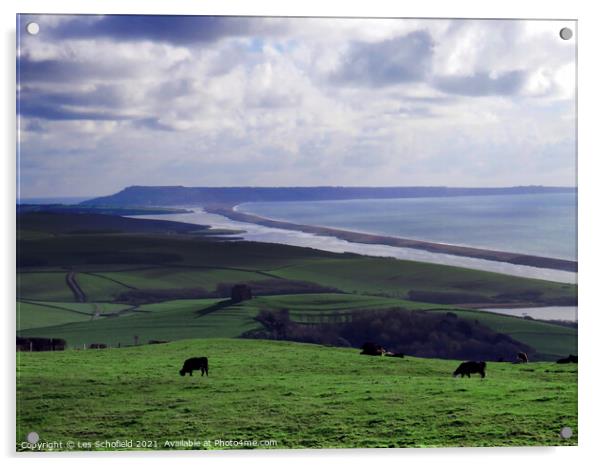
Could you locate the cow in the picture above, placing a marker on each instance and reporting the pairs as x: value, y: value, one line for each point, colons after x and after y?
x: 471, y: 367
x: 195, y: 364
x: 372, y: 349
x: 570, y: 359
x: 97, y: 346
x: 522, y: 358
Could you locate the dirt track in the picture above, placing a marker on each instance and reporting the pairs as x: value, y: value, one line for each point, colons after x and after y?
x: 80, y: 296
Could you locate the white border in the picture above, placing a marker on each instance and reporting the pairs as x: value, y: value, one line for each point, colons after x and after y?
x: 590, y: 130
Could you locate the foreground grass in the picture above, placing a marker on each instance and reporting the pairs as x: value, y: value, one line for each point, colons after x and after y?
x: 301, y: 396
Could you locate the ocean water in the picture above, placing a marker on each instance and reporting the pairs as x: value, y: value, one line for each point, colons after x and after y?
x: 536, y: 224
x: 253, y: 232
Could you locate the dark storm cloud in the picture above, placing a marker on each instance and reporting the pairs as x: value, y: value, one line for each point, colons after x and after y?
x: 178, y: 30
x: 29, y: 70
x: 97, y: 104
x: 482, y: 84
x: 49, y: 112
x: 398, y: 60
x: 104, y: 95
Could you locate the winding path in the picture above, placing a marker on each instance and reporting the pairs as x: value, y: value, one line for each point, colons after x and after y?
x: 80, y: 296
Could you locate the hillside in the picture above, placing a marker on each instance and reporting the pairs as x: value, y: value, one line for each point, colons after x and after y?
x: 301, y: 396
x: 180, y: 195
x: 180, y: 319
x: 105, y: 279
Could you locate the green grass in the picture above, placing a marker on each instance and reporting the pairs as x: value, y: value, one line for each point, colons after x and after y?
x: 181, y: 277
x: 87, y: 308
x: 39, y: 314
x: 31, y: 315
x: 301, y: 396
x: 550, y: 340
x: 348, y: 272
x: 395, y: 278
x: 97, y: 288
x: 47, y: 286
x: 180, y: 319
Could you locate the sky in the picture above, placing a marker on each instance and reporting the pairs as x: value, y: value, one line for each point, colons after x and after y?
x: 106, y: 102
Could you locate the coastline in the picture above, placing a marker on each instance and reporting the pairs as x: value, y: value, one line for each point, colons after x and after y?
x: 228, y: 210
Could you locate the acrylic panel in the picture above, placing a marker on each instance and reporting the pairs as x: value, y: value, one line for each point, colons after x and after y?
x: 283, y: 233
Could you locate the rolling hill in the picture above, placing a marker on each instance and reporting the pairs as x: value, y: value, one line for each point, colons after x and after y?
x: 287, y: 395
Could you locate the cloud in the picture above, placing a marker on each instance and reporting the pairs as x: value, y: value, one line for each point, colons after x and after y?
x: 295, y: 101
x: 161, y: 28
x: 64, y: 70
x: 98, y: 103
x: 392, y: 61
x: 483, y: 84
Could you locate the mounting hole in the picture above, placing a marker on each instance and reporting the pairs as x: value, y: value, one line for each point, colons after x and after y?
x: 32, y: 28
x: 566, y: 33
x: 566, y: 432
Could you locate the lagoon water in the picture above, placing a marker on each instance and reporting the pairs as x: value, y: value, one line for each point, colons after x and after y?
x: 568, y: 313
x: 536, y: 224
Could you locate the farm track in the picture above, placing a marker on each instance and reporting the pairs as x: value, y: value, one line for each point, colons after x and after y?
x: 78, y: 293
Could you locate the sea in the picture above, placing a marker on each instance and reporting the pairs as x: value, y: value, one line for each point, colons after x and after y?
x: 536, y: 224
x: 528, y: 223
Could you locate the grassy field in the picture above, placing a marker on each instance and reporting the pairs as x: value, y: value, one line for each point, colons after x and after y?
x: 294, y: 395
x: 170, y: 257
x: 49, y: 286
x: 395, y: 277
x: 34, y: 315
x: 550, y: 340
x: 39, y: 314
x: 298, y: 395
x: 180, y: 319
x: 181, y: 277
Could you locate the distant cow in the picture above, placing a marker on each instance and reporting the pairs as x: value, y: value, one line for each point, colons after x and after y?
x: 471, y: 367
x: 372, y: 349
x: 97, y: 346
x: 195, y: 364
x: 570, y: 359
x: 522, y: 357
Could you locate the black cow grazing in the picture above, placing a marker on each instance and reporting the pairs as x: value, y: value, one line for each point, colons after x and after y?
x: 522, y: 357
x: 97, y: 346
x: 195, y: 364
x: 471, y: 367
x: 570, y: 359
x: 372, y: 349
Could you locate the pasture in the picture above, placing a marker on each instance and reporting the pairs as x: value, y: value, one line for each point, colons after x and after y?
x: 298, y: 395
x: 206, y: 318
x: 100, y: 279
